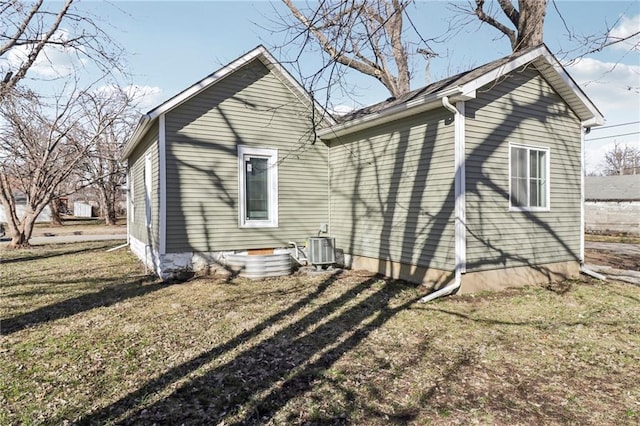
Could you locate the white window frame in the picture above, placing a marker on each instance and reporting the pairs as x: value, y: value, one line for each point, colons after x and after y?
x: 547, y: 152
x: 245, y: 152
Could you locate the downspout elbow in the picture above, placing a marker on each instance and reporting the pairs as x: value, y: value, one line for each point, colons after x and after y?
x: 448, y: 105
x: 587, y: 271
x: 445, y: 291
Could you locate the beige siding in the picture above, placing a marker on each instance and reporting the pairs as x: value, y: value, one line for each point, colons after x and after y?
x: 392, y: 191
x: 523, y: 109
x: 250, y: 107
x: 137, y: 223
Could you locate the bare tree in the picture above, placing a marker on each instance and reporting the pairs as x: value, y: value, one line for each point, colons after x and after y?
x: 28, y: 28
x: 111, y: 115
x: 621, y: 160
x: 364, y: 35
x: 41, y: 145
x: 524, y: 25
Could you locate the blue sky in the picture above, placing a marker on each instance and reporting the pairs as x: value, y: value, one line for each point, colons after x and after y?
x: 172, y: 44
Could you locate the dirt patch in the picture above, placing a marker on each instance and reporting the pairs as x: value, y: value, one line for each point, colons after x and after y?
x: 614, y: 255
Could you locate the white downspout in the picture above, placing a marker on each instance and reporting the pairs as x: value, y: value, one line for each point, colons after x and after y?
x: 583, y: 133
x: 583, y: 268
x: 460, y: 202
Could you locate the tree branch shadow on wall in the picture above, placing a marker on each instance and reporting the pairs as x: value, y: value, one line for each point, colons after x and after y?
x: 255, y: 384
x: 493, y: 254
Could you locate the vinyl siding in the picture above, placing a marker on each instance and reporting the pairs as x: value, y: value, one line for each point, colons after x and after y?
x: 520, y: 109
x: 392, y: 191
x: 250, y: 107
x: 137, y: 224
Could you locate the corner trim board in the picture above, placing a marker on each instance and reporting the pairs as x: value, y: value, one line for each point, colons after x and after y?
x: 460, y: 189
x: 582, y: 224
x: 162, y: 193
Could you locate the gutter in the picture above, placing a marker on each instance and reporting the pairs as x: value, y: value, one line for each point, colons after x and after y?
x: 397, y: 112
x: 460, y: 214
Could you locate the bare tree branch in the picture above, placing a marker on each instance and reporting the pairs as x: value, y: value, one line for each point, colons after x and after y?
x: 360, y: 35
x: 30, y: 30
x: 480, y: 13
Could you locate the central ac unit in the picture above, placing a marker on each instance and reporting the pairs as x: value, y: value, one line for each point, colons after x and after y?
x: 322, y: 250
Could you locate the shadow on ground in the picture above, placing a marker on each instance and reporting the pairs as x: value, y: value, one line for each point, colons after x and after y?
x: 255, y: 384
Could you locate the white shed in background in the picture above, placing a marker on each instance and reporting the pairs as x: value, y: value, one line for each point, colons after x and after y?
x: 81, y: 209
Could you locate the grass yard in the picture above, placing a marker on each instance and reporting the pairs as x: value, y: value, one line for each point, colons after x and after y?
x: 86, y: 338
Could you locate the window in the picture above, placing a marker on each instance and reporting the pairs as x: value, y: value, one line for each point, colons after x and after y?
x: 258, y: 187
x: 529, y: 178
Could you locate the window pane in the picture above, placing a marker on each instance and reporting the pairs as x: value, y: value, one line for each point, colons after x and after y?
x: 542, y: 184
x: 518, y: 162
x: 533, y: 163
x: 257, y: 188
x: 534, y: 193
x: 519, y: 177
x: 518, y: 192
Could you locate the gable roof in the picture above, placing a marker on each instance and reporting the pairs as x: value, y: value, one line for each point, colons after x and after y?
x: 612, y: 188
x: 259, y: 53
x: 463, y: 86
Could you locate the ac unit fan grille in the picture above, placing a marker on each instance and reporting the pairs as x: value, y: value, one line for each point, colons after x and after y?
x: 322, y: 250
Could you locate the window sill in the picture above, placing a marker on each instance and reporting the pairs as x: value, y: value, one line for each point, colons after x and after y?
x: 258, y: 224
x: 529, y: 209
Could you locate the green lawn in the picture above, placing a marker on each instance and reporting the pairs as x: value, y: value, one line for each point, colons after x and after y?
x: 87, y: 338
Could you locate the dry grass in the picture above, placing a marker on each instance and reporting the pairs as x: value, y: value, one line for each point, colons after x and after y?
x: 86, y: 340
x: 628, y: 239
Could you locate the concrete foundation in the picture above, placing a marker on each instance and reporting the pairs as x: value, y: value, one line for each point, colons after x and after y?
x: 496, y: 279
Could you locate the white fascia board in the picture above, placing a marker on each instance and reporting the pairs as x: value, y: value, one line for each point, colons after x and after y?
x: 145, y: 121
x: 282, y: 71
x: 143, y: 126
x: 597, y: 118
x: 394, y: 113
x: 498, y: 72
x: 205, y: 83
x: 593, y: 122
x: 259, y: 52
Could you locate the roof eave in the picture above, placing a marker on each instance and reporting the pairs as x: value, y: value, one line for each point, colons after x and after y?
x: 590, y: 116
x: 143, y: 126
x: 425, y: 103
x: 260, y: 53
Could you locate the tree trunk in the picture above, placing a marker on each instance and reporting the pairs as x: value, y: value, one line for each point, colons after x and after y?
x: 56, y: 219
x: 20, y: 237
x: 530, y: 23
x: 108, y: 207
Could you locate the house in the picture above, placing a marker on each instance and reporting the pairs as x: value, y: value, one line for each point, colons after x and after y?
x: 471, y: 182
x: 612, y: 204
x: 21, y: 207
